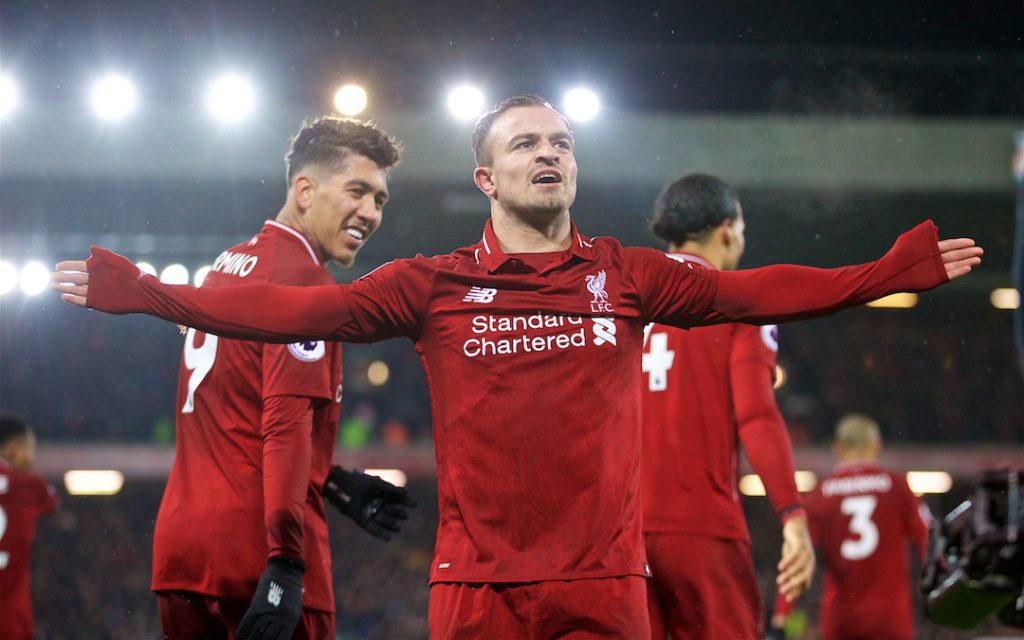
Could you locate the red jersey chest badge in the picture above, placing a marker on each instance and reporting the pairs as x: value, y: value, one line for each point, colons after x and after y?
x: 596, y: 286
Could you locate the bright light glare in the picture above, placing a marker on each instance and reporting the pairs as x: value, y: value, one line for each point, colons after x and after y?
x: 350, y: 100
x: 93, y: 482
x: 751, y: 485
x: 929, y: 481
x: 8, y: 277
x: 378, y: 373
x: 145, y: 267
x: 780, y: 376
x: 200, y: 275
x: 230, y: 98
x: 805, y: 481
x: 895, y: 301
x: 174, y: 274
x: 396, y: 477
x: 581, y: 105
x: 1007, y: 298
x: 466, y: 102
x: 113, y: 97
x: 8, y: 95
x: 34, y: 278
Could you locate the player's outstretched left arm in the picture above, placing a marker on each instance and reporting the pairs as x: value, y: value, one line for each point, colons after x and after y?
x: 796, y: 568
x: 374, y: 504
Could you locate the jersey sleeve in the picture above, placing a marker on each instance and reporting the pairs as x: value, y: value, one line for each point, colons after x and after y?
x: 386, y: 303
x: 682, y: 294
x: 916, y: 518
x: 761, y: 427
x: 788, y: 292
x: 286, y: 436
x: 298, y: 369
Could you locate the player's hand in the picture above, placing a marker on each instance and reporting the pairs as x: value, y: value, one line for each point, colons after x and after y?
x: 959, y: 256
x: 71, y: 279
x: 276, y: 606
x: 374, y: 504
x: 796, y: 568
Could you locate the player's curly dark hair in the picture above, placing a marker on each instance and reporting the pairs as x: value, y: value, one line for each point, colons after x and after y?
x: 12, y: 427
x: 328, y: 140
x: 690, y: 207
x: 481, y: 154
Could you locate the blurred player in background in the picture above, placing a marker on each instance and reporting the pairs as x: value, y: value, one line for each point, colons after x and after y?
x: 256, y: 423
x: 863, y: 518
x: 530, y: 339
x: 707, y: 390
x: 24, y: 498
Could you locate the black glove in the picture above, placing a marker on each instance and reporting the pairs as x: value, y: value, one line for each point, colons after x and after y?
x: 375, y: 505
x: 276, y: 607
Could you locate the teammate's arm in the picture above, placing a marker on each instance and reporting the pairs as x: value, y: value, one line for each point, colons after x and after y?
x: 286, y: 435
x: 374, y: 504
x: 767, y: 447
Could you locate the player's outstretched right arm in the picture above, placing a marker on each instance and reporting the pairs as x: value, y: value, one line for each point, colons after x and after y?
x: 268, y: 312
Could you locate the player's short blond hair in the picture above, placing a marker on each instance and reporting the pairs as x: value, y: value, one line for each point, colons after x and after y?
x: 857, y: 432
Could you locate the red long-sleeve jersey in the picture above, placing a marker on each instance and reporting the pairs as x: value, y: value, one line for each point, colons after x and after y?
x: 864, y: 518
x: 24, y: 498
x: 256, y: 425
x: 707, y: 390
x: 533, y: 373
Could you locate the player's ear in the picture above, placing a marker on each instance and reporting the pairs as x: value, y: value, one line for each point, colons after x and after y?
x: 725, y: 233
x: 304, y: 189
x: 483, y: 177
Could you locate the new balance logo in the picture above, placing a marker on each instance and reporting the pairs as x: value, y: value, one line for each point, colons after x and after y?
x: 480, y: 294
x: 275, y: 593
x: 604, y: 331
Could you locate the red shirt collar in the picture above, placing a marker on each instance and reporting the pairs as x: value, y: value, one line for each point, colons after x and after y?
x: 488, y: 251
x: 689, y: 257
x: 271, y: 225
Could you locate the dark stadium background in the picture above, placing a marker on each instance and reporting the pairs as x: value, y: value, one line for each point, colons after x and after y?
x: 840, y: 123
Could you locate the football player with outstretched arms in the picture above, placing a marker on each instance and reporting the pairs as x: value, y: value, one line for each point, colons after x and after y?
x: 530, y: 339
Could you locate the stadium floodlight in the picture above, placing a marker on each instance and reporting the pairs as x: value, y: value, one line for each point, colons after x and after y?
x: 581, y: 105
x: 35, y: 278
x: 929, y: 481
x: 1005, y: 298
x: 200, y: 275
x: 113, y: 97
x: 895, y: 301
x: 174, y: 274
x: 8, y: 277
x: 230, y: 98
x: 350, y: 100
x: 378, y: 373
x: 466, y: 102
x: 8, y: 95
x: 396, y: 477
x: 145, y: 267
x: 93, y: 482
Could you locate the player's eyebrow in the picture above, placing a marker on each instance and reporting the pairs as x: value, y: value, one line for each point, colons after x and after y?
x: 381, y: 195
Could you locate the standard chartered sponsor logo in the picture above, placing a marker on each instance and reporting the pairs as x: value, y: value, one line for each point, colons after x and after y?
x: 508, y: 335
